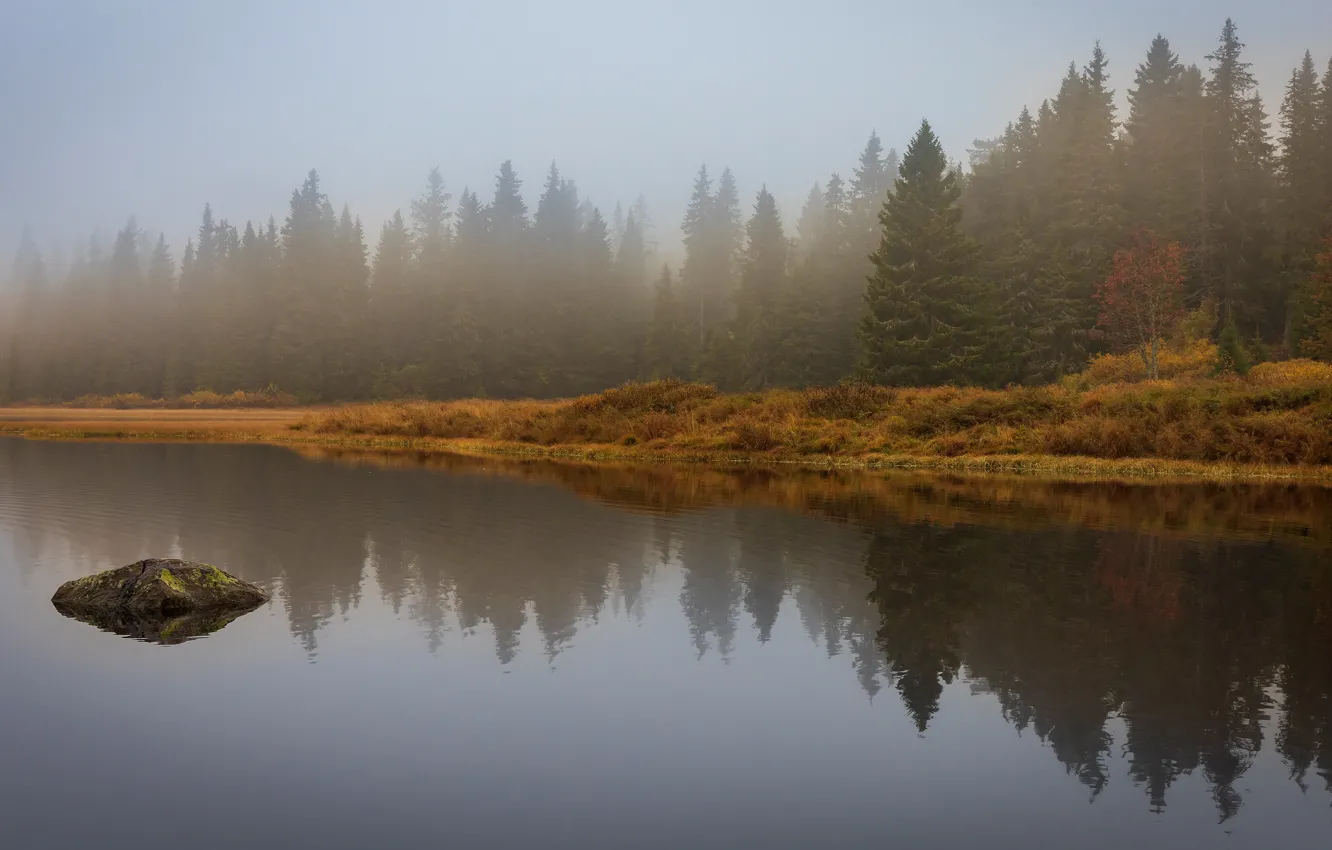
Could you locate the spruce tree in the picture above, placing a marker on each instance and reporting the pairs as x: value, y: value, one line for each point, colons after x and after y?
x: 758, y: 325
x: 508, y: 212
x: 1301, y: 188
x: 127, y: 339
x: 1163, y: 155
x: 160, y: 285
x: 1234, y: 241
x: 431, y: 228
x: 728, y: 232
x: 631, y: 256
x: 665, y: 352
x: 922, y: 325
x: 871, y: 181
x: 698, y: 273
x: 810, y: 224
x: 1325, y: 133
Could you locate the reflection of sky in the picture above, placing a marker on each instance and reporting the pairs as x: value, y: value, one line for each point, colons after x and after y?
x: 153, y: 107
x: 626, y: 738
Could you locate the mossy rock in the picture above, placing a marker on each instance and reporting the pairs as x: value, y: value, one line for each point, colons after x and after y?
x: 159, y: 600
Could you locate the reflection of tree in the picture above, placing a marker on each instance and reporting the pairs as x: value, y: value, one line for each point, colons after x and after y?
x: 761, y: 568
x: 1183, y: 642
x: 1185, y: 639
x: 922, y: 591
x: 711, y: 592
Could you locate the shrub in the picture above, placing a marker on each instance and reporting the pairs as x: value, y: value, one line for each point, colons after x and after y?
x: 1292, y: 372
x: 1197, y: 359
x: 752, y: 435
x: 1232, y: 356
x: 657, y: 425
x: 666, y: 395
x: 847, y: 400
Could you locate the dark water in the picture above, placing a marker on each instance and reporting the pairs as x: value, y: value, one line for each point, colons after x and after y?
x: 487, y: 654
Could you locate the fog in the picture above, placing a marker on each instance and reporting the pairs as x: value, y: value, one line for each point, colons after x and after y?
x: 333, y: 202
x: 152, y: 108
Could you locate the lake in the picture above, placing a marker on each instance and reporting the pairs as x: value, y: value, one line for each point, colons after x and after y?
x: 492, y: 653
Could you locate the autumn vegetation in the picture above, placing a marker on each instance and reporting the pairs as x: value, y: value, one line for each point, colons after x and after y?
x: 1279, y: 414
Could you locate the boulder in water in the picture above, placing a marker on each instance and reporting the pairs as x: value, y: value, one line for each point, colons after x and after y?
x: 163, y: 600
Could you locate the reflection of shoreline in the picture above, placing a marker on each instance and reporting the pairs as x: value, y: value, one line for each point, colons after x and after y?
x: 1081, y: 608
x: 1298, y: 513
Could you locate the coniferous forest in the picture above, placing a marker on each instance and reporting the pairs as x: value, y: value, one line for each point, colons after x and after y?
x: 908, y: 270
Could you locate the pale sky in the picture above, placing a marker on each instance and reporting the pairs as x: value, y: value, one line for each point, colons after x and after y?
x: 152, y: 107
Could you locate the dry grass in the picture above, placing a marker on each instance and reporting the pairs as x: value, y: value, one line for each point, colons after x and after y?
x: 64, y: 422
x: 1279, y: 416
x: 1275, y: 422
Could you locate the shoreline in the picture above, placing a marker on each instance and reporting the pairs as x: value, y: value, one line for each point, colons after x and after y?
x: 273, y: 426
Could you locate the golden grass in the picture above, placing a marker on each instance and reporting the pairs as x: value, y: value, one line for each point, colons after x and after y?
x: 1277, y: 422
x: 1278, y: 417
x: 222, y: 424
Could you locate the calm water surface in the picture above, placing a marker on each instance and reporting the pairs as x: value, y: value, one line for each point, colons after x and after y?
x: 480, y: 654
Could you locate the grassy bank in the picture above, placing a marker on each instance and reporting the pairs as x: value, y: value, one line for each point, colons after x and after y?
x: 1275, y: 422
x: 1278, y: 416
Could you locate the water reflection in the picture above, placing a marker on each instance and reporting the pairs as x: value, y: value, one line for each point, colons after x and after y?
x: 1187, y: 626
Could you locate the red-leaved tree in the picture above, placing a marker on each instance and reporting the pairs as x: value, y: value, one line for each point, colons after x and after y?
x: 1142, y: 300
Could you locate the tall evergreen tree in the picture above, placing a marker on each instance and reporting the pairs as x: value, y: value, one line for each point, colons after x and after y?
x: 922, y: 326
x: 1303, y: 196
x: 762, y: 298
x: 1163, y: 154
x: 698, y: 273
x: 665, y: 353
x: 1234, y: 239
x: 810, y: 224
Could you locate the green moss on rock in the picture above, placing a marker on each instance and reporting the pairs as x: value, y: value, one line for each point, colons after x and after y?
x: 148, y: 598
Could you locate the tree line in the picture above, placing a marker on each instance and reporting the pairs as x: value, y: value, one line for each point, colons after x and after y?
x: 912, y: 270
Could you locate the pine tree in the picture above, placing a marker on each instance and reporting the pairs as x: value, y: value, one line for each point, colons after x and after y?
x: 810, y: 225
x: 508, y: 212
x: 125, y: 335
x: 1234, y: 240
x: 871, y: 181
x: 553, y: 303
x: 762, y: 297
x: 308, y: 241
x: 431, y: 228
x: 1163, y: 152
x: 631, y: 256
x: 698, y: 274
x: 617, y: 227
x: 604, y: 355
x: 922, y: 325
x: 162, y: 306
x: 1302, y: 196
x: 665, y: 353
x: 1325, y: 133
x: 728, y: 231
x: 645, y: 225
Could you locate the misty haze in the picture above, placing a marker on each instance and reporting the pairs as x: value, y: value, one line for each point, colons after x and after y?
x: 708, y: 425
